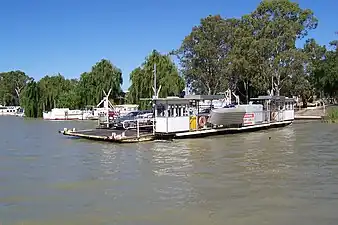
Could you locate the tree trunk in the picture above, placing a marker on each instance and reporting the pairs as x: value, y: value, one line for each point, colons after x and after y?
x: 247, y: 92
x: 277, y: 91
x: 304, y: 100
x: 246, y: 87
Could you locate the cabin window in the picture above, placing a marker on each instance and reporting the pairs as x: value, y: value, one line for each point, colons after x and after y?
x: 178, y: 110
x: 185, y: 111
x: 170, y: 111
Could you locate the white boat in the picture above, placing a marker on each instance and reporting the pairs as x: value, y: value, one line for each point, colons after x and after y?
x: 9, y: 110
x: 20, y: 113
x: 123, y: 110
x: 65, y: 114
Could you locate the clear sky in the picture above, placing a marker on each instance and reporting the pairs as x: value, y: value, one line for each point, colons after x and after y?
x: 69, y: 36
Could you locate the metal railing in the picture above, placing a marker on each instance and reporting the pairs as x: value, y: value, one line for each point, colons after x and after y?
x: 138, y: 125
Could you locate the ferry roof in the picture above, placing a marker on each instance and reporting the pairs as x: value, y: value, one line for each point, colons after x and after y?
x: 187, y: 97
x: 268, y: 97
x: 203, y: 97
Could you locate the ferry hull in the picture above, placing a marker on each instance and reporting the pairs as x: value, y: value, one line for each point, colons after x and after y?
x: 130, y: 136
x: 224, y: 131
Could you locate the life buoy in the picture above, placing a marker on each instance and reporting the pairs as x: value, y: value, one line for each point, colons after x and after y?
x: 202, y: 121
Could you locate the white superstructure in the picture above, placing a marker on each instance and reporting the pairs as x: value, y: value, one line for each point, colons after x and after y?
x: 65, y: 114
x: 9, y: 110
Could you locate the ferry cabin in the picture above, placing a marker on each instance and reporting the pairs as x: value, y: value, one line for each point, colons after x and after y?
x: 179, y: 115
x: 276, y: 108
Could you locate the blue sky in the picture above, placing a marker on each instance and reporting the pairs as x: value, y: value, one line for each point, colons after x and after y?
x: 68, y: 36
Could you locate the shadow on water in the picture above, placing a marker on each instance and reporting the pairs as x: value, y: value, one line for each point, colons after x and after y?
x: 279, y: 176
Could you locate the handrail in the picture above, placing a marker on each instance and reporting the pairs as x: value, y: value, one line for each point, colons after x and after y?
x: 138, y: 123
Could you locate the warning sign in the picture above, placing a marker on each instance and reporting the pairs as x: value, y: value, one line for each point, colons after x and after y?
x: 249, y: 119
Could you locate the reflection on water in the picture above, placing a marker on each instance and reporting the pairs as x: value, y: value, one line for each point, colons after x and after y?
x: 279, y: 176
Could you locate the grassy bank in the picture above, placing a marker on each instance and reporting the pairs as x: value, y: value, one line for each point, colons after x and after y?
x: 332, y: 115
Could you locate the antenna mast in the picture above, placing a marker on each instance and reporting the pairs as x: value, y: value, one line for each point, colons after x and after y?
x: 155, y: 88
x: 156, y: 92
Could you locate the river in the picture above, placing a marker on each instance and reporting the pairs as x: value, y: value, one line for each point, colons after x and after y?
x: 249, y: 178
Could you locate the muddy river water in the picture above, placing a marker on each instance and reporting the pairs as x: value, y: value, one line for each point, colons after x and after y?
x: 248, y: 178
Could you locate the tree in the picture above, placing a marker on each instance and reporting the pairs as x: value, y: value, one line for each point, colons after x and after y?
x: 279, y: 24
x: 52, y: 89
x: 204, y: 54
x: 325, y: 75
x: 31, y: 100
x: 11, y: 85
x: 103, y: 76
x: 142, y: 79
x: 248, y: 63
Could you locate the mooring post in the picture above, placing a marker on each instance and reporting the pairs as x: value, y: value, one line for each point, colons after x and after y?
x: 138, y: 128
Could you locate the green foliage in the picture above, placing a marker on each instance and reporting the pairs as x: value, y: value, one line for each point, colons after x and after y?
x: 56, y: 91
x: 103, y: 76
x: 11, y: 85
x: 332, y: 114
x: 31, y: 100
x: 204, y: 54
x: 142, y: 79
x: 256, y: 53
x: 325, y: 74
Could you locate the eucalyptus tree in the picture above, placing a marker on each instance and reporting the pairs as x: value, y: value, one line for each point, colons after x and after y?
x: 278, y: 24
x: 205, y: 54
x: 11, y: 85
x: 326, y: 73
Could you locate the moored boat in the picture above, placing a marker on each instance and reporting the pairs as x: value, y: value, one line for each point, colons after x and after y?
x: 9, y: 110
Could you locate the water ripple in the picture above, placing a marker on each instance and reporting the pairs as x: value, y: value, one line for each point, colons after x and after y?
x: 279, y: 176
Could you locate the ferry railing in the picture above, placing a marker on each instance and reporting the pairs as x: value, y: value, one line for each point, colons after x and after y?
x: 138, y: 125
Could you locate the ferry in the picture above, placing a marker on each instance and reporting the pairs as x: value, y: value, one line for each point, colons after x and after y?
x: 176, y: 117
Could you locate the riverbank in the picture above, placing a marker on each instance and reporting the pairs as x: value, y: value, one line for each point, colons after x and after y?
x: 327, y: 114
x: 311, y: 113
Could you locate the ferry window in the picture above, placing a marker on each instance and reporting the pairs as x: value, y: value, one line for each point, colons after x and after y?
x: 160, y: 110
x: 185, y: 111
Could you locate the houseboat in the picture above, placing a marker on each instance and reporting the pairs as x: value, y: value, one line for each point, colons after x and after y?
x: 66, y: 114
x: 9, y: 110
x: 176, y: 117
